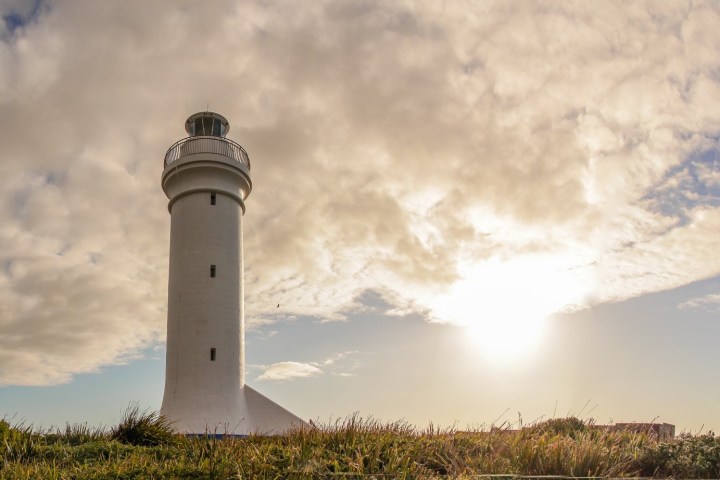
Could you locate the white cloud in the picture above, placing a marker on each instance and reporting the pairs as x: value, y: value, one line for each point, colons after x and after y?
x: 339, y: 364
x: 338, y: 357
x: 288, y: 370
x: 410, y: 150
x: 709, y: 301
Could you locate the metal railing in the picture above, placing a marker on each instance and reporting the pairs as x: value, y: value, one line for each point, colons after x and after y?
x: 218, y: 145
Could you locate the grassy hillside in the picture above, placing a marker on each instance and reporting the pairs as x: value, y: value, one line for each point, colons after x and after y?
x: 142, y: 447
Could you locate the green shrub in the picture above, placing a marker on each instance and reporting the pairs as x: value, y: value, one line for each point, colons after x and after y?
x: 685, y: 457
x: 75, y: 434
x: 17, y: 443
x: 143, y: 428
x: 569, y: 427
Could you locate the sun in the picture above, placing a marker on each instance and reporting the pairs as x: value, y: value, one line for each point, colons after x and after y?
x: 506, y: 339
x: 503, y: 304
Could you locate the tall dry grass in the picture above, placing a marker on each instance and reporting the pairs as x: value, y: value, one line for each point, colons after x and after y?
x: 355, y: 447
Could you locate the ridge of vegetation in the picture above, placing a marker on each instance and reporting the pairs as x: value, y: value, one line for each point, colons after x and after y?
x: 143, y: 446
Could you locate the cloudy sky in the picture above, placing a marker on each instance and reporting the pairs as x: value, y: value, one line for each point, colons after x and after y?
x: 469, y: 212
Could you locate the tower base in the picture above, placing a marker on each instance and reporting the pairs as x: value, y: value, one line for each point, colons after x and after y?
x: 252, y: 413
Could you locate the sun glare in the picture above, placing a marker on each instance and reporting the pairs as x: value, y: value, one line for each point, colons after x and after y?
x: 504, y: 304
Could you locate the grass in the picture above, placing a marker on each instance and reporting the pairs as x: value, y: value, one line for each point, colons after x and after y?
x: 143, y: 446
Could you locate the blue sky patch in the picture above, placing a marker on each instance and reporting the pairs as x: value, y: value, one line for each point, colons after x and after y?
x: 13, y: 22
x: 18, y: 19
x: 693, y: 183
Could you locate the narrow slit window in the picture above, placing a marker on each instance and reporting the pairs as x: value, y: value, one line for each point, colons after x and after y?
x: 212, y: 354
x: 212, y: 271
x: 212, y: 198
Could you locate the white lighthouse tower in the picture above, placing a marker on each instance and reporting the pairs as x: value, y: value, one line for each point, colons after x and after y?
x: 207, y: 179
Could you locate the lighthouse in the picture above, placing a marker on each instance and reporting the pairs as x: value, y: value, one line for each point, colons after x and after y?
x: 206, y: 178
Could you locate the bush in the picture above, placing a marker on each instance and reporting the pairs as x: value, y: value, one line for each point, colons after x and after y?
x: 75, y: 434
x: 143, y: 428
x: 569, y: 427
x: 687, y: 456
x: 17, y: 443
